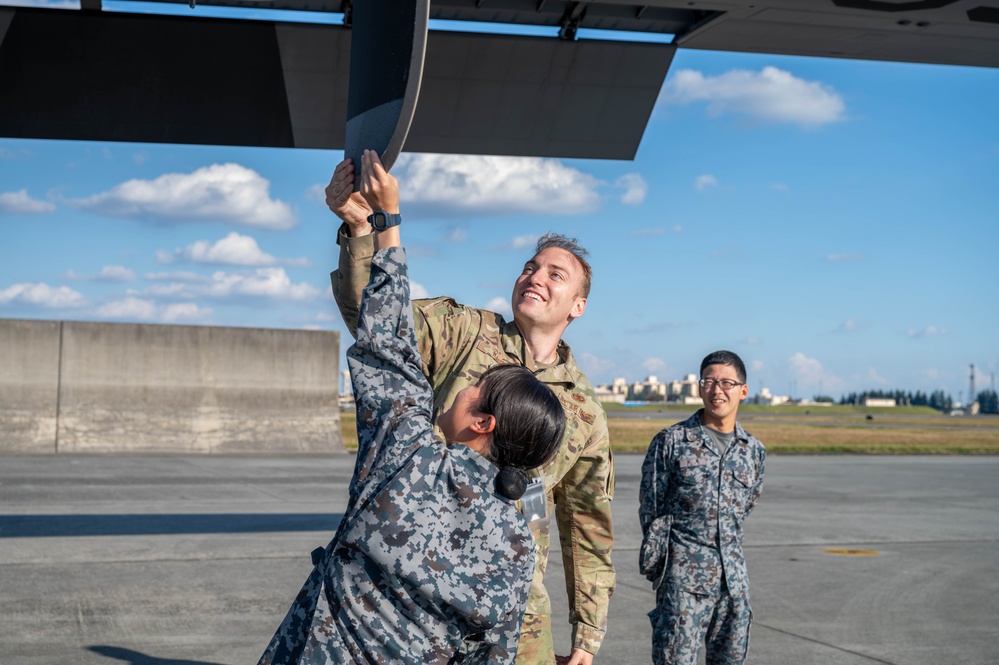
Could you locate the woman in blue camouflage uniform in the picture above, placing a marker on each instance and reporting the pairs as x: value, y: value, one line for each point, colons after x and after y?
x: 432, y: 562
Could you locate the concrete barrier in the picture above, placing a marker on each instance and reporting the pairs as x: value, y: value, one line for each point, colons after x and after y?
x: 29, y: 385
x: 79, y: 387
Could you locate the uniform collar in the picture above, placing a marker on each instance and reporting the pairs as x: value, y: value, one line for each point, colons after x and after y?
x: 695, y: 433
x: 563, y: 371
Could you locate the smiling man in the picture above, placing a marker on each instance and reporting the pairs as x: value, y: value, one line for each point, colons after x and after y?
x: 700, y: 480
x: 457, y: 344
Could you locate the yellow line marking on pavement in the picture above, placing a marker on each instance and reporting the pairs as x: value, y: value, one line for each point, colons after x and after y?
x: 849, y: 552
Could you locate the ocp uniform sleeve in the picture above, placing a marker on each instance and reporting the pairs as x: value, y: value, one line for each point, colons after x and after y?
x: 583, y: 511
x: 352, y: 274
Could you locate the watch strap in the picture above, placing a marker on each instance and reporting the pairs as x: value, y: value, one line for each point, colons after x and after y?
x: 381, y: 220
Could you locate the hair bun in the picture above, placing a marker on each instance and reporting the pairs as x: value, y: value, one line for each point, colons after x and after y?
x: 512, y: 482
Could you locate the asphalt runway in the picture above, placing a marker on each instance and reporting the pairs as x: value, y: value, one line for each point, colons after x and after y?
x: 194, y: 560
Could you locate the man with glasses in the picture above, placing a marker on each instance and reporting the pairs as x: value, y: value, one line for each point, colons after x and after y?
x: 700, y: 480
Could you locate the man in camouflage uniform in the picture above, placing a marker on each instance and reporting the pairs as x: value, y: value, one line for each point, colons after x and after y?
x: 457, y: 343
x: 700, y: 480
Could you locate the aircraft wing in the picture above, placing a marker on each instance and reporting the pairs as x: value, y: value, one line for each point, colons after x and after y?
x: 95, y: 75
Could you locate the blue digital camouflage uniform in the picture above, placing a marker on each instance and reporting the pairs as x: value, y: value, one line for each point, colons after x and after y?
x: 692, y: 503
x: 429, y: 564
x: 457, y: 343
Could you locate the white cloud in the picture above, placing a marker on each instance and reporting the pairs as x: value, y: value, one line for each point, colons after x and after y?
x: 837, y: 257
x: 184, y: 311
x: 131, y: 308
x: 317, y: 193
x: 19, y: 203
x: 705, y: 181
x: 594, y: 365
x: 234, y: 249
x: 654, y: 365
x: 756, y: 366
x: 417, y: 290
x: 635, y: 188
x: 451, y: 185
x: 644, y: 233
x: 770, y: 95
x: 847, y: 326
x: 116, y: 274
x: 176, y: 276
x: 529, y: 241
x: 780, y: 187
x: 677, y: 228
x: 500, y: 306
x: 812, y: 374
x: 457, y: 234
x: 107, y: 274
x: 928, y: 331
x: 873, y: 376
x: 227, y: 193
x: 271, y: 283
x: 43, y: 295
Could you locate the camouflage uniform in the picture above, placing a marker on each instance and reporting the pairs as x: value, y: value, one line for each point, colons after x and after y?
x: 429, y: 564
x: 692, y: 503
x: 457, y: 343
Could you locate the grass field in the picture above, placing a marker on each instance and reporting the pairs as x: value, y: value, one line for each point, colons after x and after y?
x: 847, y: 429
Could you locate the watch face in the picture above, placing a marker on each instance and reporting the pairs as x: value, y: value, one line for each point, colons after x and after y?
x: 381, y: 220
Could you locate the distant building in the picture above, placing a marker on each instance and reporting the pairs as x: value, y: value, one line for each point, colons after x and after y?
x: 650, y: 390
x: 765, y: 397
x: 616, y: 392
x: 879, y: 401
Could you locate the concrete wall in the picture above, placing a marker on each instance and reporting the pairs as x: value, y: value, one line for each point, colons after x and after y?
x: 29, y: 385
x: 77, y: 387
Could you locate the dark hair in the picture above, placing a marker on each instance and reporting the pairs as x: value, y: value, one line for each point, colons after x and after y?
x: 570, y: 245
x: 725, y: 358
x: 530, y: 423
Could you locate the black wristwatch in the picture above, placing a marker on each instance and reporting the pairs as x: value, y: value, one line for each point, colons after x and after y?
x: 381, y: 220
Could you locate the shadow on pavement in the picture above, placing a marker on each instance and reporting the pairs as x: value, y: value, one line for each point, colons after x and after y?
x: 137, y: 658
x: 40, y: 526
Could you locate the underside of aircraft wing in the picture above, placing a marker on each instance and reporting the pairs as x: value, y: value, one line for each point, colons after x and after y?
x: 96, y: 75
x: 168, y: 79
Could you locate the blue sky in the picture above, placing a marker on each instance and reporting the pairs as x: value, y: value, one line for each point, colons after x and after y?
x: 834, y: 222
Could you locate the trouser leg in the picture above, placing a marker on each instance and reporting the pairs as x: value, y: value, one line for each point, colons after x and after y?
x: 679, y: 625
x: 536, y: 645
x: 728, y: 633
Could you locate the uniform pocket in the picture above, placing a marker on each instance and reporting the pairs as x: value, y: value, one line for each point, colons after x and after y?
x: 655, y: 549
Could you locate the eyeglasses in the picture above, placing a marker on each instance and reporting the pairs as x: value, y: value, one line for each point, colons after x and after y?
x: 726, y: 384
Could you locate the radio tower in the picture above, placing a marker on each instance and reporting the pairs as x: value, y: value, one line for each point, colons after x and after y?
x: 971, y: 386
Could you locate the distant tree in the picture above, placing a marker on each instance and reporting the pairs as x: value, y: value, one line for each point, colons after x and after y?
x: 823, y: 399
x: 940, y: 401
x: 988, y: 401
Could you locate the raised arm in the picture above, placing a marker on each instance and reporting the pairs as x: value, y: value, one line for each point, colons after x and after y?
x: 356, y: 242
x: 393, y: 396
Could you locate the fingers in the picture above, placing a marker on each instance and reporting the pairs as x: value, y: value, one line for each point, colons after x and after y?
x: 378, y: 187
x: 341, y: 185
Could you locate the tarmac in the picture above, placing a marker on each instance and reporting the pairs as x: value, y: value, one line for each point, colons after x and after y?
x: 194, y: 560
